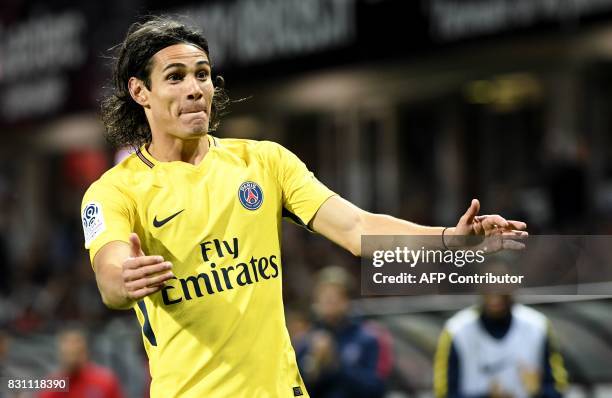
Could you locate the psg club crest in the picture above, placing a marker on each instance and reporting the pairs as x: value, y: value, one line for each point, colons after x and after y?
x: 250, y: 195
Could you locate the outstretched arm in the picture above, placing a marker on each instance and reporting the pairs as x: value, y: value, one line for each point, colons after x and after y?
x: 344, y: 223
x: 124, y: 274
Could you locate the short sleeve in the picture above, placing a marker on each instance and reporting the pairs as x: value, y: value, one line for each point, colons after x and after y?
x: 107, y: 214
x: 302, y: 193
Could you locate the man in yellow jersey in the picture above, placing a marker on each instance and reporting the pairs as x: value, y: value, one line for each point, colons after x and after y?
x: 186, y: 231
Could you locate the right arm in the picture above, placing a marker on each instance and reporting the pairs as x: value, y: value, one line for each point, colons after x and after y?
x: 124, y: 274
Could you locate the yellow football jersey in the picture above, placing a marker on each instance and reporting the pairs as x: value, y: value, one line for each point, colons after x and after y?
x: 218, y: 329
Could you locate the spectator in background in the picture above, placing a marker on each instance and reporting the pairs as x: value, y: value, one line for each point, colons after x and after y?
x: 341, y: 357
x: 86, y: 379
x: 498, y: 349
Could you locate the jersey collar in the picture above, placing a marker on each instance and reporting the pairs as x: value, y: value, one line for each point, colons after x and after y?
x: 146, y: 158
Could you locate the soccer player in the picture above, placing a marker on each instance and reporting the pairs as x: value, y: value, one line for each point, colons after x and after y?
x: 187, y: 229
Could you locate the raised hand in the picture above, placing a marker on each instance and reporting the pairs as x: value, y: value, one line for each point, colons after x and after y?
x: 497, y: 232
x: 143, y: 275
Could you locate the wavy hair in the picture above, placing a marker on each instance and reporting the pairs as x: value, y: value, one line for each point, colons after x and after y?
x: 123, y: 118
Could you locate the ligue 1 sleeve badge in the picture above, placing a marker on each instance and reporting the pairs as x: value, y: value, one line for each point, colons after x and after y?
x: 250, y: 195
x: 93, y: 222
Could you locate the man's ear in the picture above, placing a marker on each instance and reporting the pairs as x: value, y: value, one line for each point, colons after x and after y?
x: 138, y: 91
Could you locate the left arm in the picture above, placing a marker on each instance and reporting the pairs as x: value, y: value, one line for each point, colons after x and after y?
x: 344, y: 223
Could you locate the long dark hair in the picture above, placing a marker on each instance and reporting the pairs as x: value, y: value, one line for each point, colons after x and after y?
x: 123, y: 118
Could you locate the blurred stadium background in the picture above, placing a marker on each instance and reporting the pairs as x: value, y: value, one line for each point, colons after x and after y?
x: 404, y: 107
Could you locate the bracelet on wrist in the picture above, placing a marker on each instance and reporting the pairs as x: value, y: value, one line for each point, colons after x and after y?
x: 443, y: 242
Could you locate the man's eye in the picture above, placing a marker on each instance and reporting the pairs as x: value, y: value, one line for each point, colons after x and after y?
x: 173, y: 77
x: 203, y: 74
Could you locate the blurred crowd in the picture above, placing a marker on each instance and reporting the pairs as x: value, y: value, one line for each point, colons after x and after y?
x: 521, y: 125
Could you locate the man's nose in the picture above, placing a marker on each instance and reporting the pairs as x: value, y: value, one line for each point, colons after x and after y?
x: 195, y: 92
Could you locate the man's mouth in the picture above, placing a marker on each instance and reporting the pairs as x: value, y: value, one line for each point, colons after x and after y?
x: 189, y: 111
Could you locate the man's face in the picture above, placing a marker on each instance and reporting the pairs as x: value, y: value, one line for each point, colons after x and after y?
x: 72, y: 351
x: 331, y: 303
x: 180, y: 97
x: 496, y: 306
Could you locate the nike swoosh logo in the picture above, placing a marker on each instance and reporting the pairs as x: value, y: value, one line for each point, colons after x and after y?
x: 161, y: 223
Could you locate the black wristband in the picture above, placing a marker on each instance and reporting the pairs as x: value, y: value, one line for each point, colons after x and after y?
x: 444, y: 243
